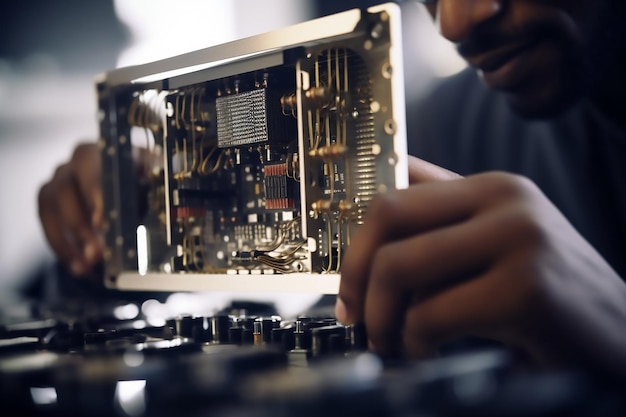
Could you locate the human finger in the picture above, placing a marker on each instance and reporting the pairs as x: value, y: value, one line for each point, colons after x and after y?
x: 60, y: 238
x: 419, y: 209
x: 418, y: 267
x: 394, y: 215
x: 61, y: 242
x: 493, y: 305
x: 422, y: 171
x: 87, y: 171
x: 73, y: 216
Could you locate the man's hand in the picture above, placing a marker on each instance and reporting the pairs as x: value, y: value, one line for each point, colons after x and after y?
x: 487, y: 256
x: 70, y: 209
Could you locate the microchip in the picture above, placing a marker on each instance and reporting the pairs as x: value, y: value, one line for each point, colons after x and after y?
x: 246, y: 118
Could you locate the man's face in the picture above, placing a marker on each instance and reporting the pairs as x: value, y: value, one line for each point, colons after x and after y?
x: 543, y: 54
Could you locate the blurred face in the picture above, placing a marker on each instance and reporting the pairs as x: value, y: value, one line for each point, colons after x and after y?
x: 543, y: 54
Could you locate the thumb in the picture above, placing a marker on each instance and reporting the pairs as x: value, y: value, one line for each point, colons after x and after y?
x: 421, y: 171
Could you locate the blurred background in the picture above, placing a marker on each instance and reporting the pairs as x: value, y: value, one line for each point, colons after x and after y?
x: 51, y: 51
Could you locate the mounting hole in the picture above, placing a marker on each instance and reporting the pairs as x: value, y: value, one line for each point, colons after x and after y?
x: 377, y: 31
x: 387, y: 70
x: 390, y: 127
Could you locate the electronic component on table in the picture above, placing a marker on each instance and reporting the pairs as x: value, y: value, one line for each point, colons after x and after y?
x: 259, y: 366
x: 260, y: 156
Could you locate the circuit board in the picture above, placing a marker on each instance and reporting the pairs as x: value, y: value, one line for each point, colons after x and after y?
x: 249, y: 166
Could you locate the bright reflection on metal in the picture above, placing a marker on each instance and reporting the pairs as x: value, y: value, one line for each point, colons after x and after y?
x: 193, y: 68
x: 153, y: 308
x: 156, y: 321
x: 126, y: 312
x: 133, y: 359
x: 43, y: 395
x: 142, y: 249
x: 368, y: 367
x: 155, y: 312
x: 131, y: 397
x: 162, y: 344
x: 139, y: 324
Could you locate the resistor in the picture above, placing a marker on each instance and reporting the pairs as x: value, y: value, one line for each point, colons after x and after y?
x: 329, y: 151
x: 323, y: 205
x: 321, y: 96
x: 289, y: 104
x: 328, y: 205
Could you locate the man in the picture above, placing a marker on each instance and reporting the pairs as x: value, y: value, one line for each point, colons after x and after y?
x: 488, y: 255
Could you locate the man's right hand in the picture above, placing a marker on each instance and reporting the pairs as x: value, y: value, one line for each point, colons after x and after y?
x: 70, y: 209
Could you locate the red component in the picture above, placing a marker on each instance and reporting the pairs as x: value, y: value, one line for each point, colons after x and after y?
x: 186, y: 212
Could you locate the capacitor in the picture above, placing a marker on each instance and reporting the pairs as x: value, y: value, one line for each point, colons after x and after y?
x: 219, y: 326
x: 298, y: 356
x: 356, y: 337
x: 181, y: 326
x: 185, y: 324
x: 267, y: 324
x: 298, y: 333
x: 235, y: 335
x: 257, y: 333
x: 200, y: 329
x: 98, y: 337
x: 327, y: 340
x: 284, y: 338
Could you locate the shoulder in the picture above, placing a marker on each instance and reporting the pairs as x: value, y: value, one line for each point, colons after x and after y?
x: 464, y: 126
x: 458, y: 115
x: 458, y: 94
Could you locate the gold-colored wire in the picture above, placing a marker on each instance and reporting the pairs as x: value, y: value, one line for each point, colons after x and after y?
x: 329, y: 232
x: 339, y: 242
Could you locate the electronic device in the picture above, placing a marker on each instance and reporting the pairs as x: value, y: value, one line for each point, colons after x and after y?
x: 260, y: 156
x: 234, y: 364
x: 259, y: 160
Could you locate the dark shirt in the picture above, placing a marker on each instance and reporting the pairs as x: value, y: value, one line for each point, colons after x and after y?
x: 578, y: 159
